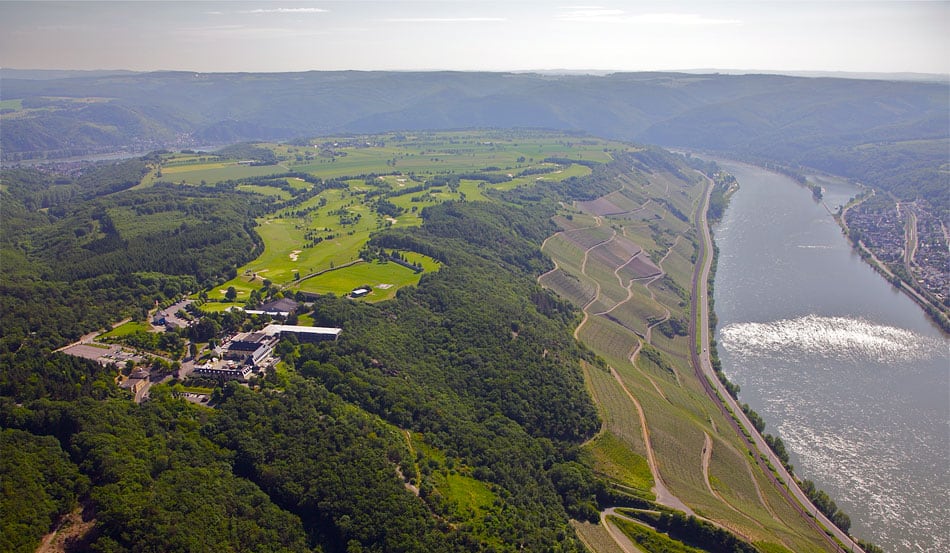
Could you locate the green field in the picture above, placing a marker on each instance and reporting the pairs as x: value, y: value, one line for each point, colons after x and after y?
x: 216, y: 172
x: 310, y: 244
x: 465, y: 492
x: 649, y: 539
x: 16, y: 104
x: 130, y: 327
x: 265, y: 191
x: 383, y: 278
x: 613, y: 458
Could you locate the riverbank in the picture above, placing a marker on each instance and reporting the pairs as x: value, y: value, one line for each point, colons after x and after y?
x: 770, y: 463
x: 837, y: 361
x: 933, y: 311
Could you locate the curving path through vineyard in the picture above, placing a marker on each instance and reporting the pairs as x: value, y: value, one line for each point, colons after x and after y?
x: 663, y: 494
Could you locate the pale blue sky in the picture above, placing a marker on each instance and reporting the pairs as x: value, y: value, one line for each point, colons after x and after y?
x: 477, y: 35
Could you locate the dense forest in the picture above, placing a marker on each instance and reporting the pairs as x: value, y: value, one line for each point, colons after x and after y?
x: 77, y: 256
x: 469, y: 381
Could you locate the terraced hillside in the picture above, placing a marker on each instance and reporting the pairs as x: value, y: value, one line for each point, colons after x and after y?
x: 626, y: 259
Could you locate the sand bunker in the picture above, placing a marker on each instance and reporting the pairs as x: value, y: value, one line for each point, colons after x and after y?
x: 294, y: 254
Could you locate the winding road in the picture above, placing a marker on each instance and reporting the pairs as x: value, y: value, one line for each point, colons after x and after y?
x: 706, y: 375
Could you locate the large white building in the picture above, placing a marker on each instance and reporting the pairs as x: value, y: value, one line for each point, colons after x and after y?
x: 229, y: 370
x: 304, y: 333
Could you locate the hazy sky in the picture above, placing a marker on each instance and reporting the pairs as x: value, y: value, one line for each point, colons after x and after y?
x: 477, y: 35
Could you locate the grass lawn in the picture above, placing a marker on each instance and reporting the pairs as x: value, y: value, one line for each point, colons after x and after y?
x: 218, y: 307
x: 130, y: 327
x: 384, y: 278
x: 265, y: 190
x: 16, y: 104
x: 466, y: 492
x: 649, y: 539
x: 614, y: 458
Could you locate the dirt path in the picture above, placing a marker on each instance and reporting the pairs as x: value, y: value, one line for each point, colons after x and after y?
x: 633, y: 361
x: 586, y: 307
x: 707, y: 455
x: 663, y: 494
x: 622, y: 540
x: 73, y: 530
x: 412, y: 452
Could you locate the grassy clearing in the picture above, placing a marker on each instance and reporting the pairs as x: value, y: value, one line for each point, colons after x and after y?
x: 197, y: 390
x: 16, y: 104
x: 569, y: 287
x: 769, y: 547
x: 650, y: 540
x: 218, y: 306
x: 468, y: 494
x: 613, y: 458
x: 265, y: 191
x: 131, y: 224
x: 611, y: 341
x: 383, y: 278
x: 729, y: 472
x: 130, y: 327
x: 212, y: 173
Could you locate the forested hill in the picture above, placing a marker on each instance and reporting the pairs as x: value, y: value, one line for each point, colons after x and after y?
x: 846, y: 126
x: 447, y: 419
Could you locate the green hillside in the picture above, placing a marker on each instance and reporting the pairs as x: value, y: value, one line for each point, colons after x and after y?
x: 485, y: 402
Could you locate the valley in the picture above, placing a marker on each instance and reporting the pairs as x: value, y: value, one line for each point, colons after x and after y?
x: 434, y: 256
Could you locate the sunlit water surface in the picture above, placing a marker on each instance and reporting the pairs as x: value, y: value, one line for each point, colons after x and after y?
x: 849, y: 372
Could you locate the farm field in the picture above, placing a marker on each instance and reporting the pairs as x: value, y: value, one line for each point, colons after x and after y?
x: 331, y: 194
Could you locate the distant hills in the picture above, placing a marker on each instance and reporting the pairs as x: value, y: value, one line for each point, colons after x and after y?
x: 832, y: 124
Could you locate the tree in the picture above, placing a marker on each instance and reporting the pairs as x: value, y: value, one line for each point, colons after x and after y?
x: 230, y: 294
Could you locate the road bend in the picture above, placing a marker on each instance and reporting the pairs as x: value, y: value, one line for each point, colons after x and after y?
x: 709, y: 380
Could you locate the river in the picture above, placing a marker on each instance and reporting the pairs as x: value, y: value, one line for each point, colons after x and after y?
x: 847, y: 370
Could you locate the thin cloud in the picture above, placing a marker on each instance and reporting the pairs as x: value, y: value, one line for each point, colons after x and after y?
x: 681, y: 19
x: 285, y: 10
x: 220, y: 32
x: 446, y: 20
x: 598, y: 14
x: 578, y: 13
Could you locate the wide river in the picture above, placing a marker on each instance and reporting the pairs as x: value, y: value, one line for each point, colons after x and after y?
x: 849, y: 372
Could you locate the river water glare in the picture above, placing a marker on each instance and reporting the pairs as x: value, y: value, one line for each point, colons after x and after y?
x: 848, y: 371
